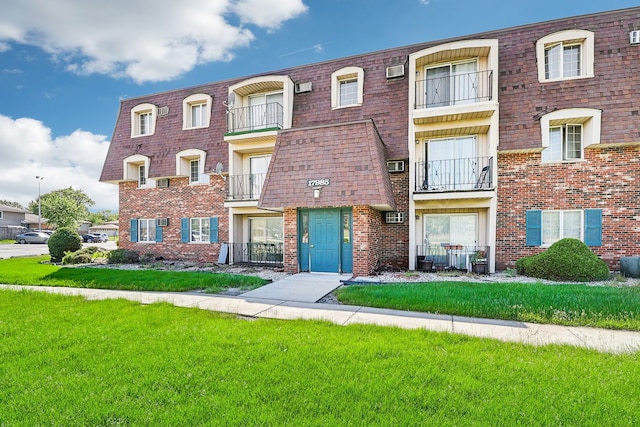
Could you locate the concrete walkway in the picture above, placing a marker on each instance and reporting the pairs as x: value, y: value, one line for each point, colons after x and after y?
x: 295, y: 296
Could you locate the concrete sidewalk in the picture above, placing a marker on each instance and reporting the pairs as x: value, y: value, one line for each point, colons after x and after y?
x: 277, y: 308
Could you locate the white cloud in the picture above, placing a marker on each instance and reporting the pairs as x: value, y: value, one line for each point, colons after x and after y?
x: 4, y: 47
x: 137, y: 39
x: 73, y: 160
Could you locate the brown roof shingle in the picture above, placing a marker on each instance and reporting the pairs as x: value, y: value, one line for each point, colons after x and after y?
x: 350, y: 155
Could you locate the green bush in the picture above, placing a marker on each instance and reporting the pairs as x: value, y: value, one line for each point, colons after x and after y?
x: 63, y: 240
x: 566, y: 259
x: 123, y: 256
x: 85, y: 255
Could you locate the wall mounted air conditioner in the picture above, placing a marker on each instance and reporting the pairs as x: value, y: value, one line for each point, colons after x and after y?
x: 395, y: 71
x: 163, y: 111
x: 162, y: 182
x: 303, y: 87
x: 162, y: 222
x: 395, y: 166
x: 634, y: 37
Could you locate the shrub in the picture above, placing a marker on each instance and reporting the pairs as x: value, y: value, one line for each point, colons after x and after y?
x: 566, y: 259
x: 63, y: 240
x: 123, y: 256
x: 85, y: 255
x: 76, y: 258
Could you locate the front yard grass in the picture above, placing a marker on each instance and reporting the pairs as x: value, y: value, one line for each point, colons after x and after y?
x: 68, y: 361
x: 610, y: 307
x: 32, y: 271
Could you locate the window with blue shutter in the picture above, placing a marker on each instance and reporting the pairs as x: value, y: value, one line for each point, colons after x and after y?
x: 593, y: 227
x: 213, y: 227
x: 133, y: 230
x: 184, y: 230
x: 534, y: 228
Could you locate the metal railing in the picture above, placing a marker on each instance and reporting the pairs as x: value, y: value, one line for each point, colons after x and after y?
x: 257, y: 253
x: 472, y: 173
x: 264, y: 116
x: 245, y: 187
x: 448, y: 256
x: 455, y: 89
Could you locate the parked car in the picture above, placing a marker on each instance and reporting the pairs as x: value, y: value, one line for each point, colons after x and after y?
x: 32, y: 237
x: 95, y: 238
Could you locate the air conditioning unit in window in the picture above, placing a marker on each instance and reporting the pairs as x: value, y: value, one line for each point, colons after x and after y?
x: 162, y: 183
x: 395, y: 71
x: 162, y: 222
x: 395, y: 166
x: 634, y: 37
x: 163, y: 111
x: 394, y: 217
x: 303, y: 87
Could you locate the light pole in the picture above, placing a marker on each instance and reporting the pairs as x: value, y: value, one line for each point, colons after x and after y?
x: 39, y: 178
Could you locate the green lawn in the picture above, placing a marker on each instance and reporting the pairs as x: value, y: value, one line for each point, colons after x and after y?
x: 32, y: 271
x: 68, y: 361
x: 576, y: 305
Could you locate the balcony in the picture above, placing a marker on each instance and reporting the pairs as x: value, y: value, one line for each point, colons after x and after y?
x: 258, y: 117
x: 446, y: 256
x: 465, y: 174
x: 270, y: 254
x: 245, y: 187
x: 453, y: 90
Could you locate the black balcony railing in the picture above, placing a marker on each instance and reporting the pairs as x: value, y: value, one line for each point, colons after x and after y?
x: 472, y: 173
x: 454, y: 89
x: 448, y: 256
x: 257, y: 253
x: 245, y: 187
x: 247, y: 119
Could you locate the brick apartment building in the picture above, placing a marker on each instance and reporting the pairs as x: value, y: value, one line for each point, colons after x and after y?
x: 474, y: 150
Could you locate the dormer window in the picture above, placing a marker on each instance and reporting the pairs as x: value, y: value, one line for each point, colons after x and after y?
x: 565, y: 55
x: 347, y: 87
x: 190, y: 163
x: 136, y: 168
x: 143, y: 120
x: 196, y: 111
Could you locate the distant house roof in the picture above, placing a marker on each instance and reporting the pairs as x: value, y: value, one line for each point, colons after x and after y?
x: 6, y: 208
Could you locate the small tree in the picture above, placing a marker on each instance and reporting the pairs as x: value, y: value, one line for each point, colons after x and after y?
x: 63, y: 208
x: 63, y: 240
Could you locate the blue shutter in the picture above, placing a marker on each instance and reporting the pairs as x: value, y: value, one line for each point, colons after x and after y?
x: 133, y: 230
x: 158, y: 233
x: 213, y: 229
x: 184, y: 230
x: 593, y: 227
x: 534, y: 228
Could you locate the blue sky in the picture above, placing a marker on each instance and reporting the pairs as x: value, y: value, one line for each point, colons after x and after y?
x: 65, y: 65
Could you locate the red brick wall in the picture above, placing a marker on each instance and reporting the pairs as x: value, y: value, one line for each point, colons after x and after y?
x: 291, y: 240
x: 394, y: 238
x: 608, y: 179
x: 178, y: 201
x: 366, y: 240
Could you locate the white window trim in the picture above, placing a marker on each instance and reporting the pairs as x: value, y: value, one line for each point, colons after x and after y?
x: 589, y: 118
x: 131, y: 170
x: 135, y: 114
x: 583, y: 37
x: 152, y: 232
x: 340, y: 75
x: 201, y: 220
x: 190, y: 101
x: 561, y: 211
x: 183, y: 165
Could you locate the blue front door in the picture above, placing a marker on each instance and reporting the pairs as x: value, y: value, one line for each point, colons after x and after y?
x: 324, y: 246
x: 325, y: 241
